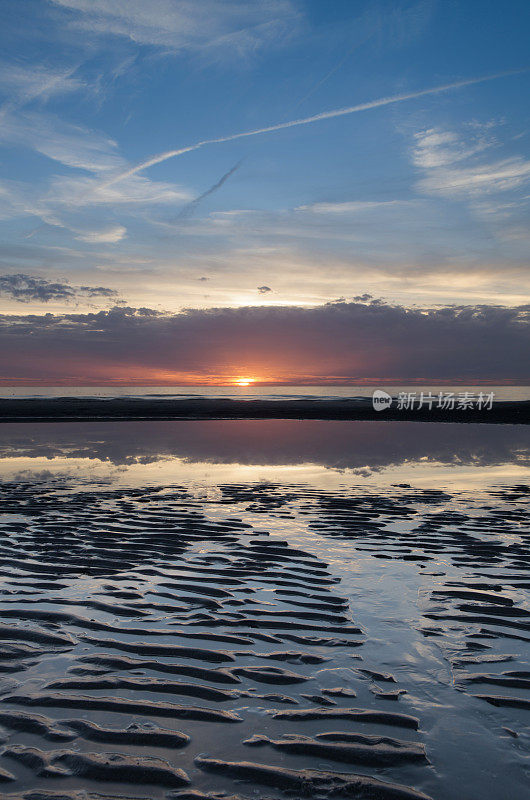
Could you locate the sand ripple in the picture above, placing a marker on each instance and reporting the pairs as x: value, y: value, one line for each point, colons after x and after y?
x: 148, y: 639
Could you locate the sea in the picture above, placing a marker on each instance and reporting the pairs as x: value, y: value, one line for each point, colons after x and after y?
x: 260, y: 392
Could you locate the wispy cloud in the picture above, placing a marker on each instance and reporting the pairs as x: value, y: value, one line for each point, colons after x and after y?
x: 23, y: 83
x: 497, y: 176
x: 467, y: 168
x: 61, y: 199
x: 435, y: 148
x: 74, y: 146
x: 350, y: 207
x: 105, y: 236
x: 234, y: 27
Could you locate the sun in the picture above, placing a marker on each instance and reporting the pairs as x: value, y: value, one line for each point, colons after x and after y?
x: 244, y: 381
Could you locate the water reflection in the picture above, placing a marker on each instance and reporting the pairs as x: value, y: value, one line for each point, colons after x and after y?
x: 329, y: 444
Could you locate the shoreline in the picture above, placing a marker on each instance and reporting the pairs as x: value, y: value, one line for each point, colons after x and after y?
x: 72, y: 409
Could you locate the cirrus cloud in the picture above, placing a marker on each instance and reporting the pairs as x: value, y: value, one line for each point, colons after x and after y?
x: 235, y: 27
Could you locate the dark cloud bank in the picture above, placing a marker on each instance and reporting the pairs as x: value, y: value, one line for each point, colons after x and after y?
x: 336, y: 342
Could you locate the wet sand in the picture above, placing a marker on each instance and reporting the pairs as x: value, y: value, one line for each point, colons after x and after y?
x: 149, y: 408
x: 265, y: 639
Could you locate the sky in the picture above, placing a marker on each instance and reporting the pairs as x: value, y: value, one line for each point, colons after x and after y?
x: 292, y: 191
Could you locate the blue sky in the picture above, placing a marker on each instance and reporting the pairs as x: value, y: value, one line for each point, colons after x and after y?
x: 421, y: 201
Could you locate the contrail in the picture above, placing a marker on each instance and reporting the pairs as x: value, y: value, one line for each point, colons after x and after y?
x: 338, y: 112
x: 187, y: 209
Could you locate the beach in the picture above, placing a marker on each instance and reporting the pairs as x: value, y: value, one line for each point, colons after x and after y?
x: 265, y: 609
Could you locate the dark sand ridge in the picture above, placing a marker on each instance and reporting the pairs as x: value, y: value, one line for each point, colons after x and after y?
x: 149, y: 408
x: 87, y: 574
x: 310, y: 783
x: 98, y: 767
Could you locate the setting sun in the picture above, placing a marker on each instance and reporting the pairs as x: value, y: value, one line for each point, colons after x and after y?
x: 244, y: 381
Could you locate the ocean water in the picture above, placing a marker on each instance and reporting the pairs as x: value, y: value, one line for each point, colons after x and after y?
x: 259, y: 392
x: 270, y: 609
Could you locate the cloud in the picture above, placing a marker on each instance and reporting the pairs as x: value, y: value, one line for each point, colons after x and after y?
x: 350, y: 207
x: 264, y: 289
x: 80, y: 148
x: 436, y: 148
x: 62, y: 199
x: 25, y: 288
x: 23, y: 84
x: 107, y: 236
x: 363, y: 298
x: 415, y: 248
x: 500, y: 176
x: 74, y: 146
x: 339, y: 112
x: 337, y: 342
x: 456, y: 169
x: 235, y: 27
